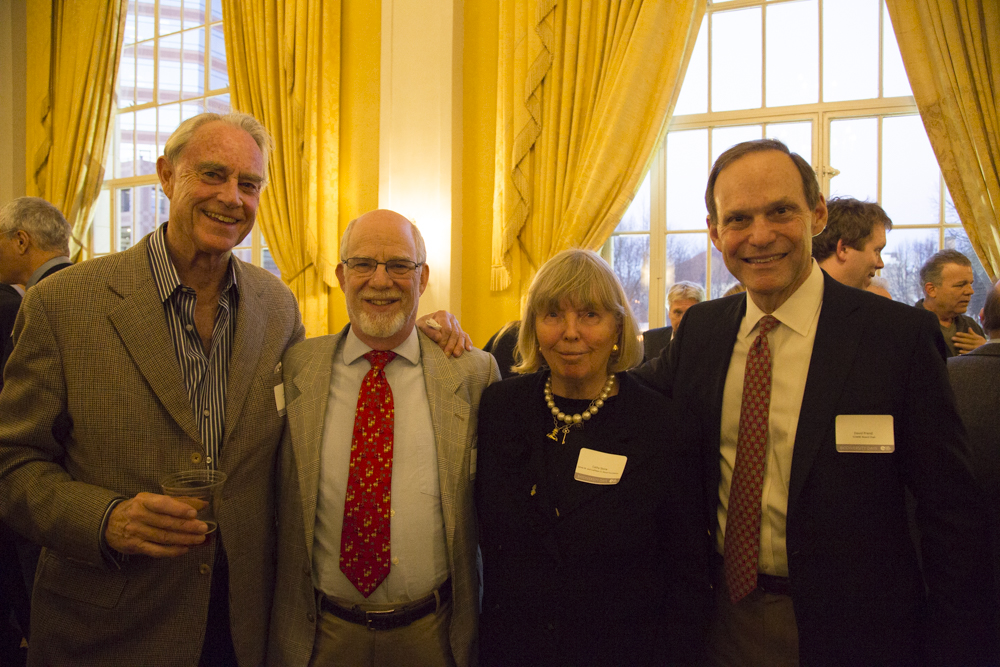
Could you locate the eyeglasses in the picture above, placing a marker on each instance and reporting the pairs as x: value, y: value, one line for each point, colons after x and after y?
x: 365, y: 266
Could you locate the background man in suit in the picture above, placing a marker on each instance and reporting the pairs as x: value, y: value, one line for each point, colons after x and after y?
x: 974, y: 377
x: 377, y: 530
x: 681, y: 296
x: 127, y: 368
x: 850, y: 248
x: 947, y: 279
x: 815, y: 559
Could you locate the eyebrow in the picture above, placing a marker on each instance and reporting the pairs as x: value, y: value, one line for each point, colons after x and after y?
x: 218, y: 166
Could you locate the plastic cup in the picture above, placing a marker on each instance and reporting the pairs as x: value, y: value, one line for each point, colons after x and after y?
x: 201, y: 489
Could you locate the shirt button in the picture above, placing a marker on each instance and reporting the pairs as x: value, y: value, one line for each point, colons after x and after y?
x: 206, y: 412
x: 189, y: 327
x: 204, y: 568
x: 395, y: 561
x: 196, y: 457
x: 208, y: 459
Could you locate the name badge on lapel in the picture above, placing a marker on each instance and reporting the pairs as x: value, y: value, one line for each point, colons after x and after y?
x: 279, y: 391
x: 595, y: 467
x: 868, y: 434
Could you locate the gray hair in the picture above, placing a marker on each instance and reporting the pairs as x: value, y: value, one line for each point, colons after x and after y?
x: 41, y: 220
x: 585, y: 279
x: 418, y: 241
x: 931, y: 271
x: 178, y: 141
x: 685, y: 290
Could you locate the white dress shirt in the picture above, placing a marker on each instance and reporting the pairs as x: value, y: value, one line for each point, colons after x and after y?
x: 791, y: 344
x: 418, y: 550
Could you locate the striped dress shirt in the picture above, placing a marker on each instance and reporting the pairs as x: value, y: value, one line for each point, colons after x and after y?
x: 204, y: 376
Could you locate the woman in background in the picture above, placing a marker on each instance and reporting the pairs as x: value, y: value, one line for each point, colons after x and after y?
x: 589, y: 491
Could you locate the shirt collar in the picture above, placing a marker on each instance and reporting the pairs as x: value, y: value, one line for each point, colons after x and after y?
x: 797, y: 313
x: 354, y: 348
x: 40, y: 271
x: 164, y: 272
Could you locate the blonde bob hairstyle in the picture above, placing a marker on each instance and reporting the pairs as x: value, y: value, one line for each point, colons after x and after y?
x: 584, y: 279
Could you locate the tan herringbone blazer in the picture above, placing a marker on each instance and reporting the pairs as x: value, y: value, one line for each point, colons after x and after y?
x: 453, y: 389
x: 94, y: 408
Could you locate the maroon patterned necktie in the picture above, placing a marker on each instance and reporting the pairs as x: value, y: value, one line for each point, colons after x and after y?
x: 741, y: 548
x: 364, y: 539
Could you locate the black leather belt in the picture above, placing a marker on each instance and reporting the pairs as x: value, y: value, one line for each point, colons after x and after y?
x: 389, y: 618
x: 774, y: 585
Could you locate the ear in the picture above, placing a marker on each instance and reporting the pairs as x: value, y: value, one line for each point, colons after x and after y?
x: 819, y: 216
x: 165, y: 170
x: 425, y: 274
x: 23, y: 240
x: 713, y: 233
x: 340, y: 277
x: 930, y: 290
x: 841, y: 250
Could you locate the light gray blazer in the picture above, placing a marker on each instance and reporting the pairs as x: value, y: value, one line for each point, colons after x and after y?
x: 453, y: 390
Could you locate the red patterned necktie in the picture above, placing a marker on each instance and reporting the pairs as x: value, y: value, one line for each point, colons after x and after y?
x: 741, y: 549
x: 364, y: 539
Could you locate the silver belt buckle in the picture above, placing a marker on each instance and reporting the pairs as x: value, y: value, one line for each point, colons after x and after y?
x: 372, y: 616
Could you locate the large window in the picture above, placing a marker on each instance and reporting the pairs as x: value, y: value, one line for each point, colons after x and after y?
x: 173, y: 67
x: 825, y: 77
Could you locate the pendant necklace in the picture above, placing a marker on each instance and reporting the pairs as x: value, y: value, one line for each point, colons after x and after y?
x: 564, y: 422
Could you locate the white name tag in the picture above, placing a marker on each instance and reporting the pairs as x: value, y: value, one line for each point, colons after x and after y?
x: 870, y: 434
x: 279, y: 399
x: 595, y: 467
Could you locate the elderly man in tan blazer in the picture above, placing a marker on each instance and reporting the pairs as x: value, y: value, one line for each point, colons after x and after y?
x: 126, y: 368
x: 377, y: 531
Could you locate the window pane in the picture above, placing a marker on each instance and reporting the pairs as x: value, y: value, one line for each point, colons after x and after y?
x: 724, y: 138
x: 194, y: 63
x: 216, y: 10
x: 630, y: 261
x: 792, y: 53
x: 144, y: 72
x: 145, y: 20
x: 911, y: 179
x: 193, y: 108
x: 685, y: 258
x: 894, y: 81
x: 850, y: 49
x: 636, y: 218
x: 126, y: 78
x: 722, y: 280
x: 956, y: 239
x: 687, y: 169
x: 170, y: 16
x: 145, y: 142
x: 854, y: 151
x: 170, y: 118
x: 170, y: 69
x: 218, y: 104
x: 797, y: 136
x: 194, y: 13
x: 694, y: 90
x: 101, y: 228
x: 144, y: 216
x: 125, y: 212
x: 129, y: 37
x: 246, y: 254
x: 736, y: 59
x: 124, y: 166
x: 218, y: 76
x: 267, y: 262
x: 905, y: 252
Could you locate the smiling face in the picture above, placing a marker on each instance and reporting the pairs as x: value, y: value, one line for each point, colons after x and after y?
x: 576, y: 342
x: 860, y: 265
x: 382, y: 308
x: 765, y: 226
x: 214, y: 188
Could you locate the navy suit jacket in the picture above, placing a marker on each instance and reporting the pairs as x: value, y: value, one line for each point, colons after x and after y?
x: 856, y: 584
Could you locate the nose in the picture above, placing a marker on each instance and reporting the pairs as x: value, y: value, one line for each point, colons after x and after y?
x: 571, y: 332
x: 381, y: 277
x: 879, y: 264
x: 760, y: 232
x: 229, y: 193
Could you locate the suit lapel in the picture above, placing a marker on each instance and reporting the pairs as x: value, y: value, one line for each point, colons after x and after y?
x: 251, y: 322
x: 837, y: 337
x: 308, y: 396
x: 450, y: 416
x: 142, y: 326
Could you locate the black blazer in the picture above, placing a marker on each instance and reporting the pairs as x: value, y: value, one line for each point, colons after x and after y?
x: 619, y: 573
x: 856, y: 585
x: 655, y: 341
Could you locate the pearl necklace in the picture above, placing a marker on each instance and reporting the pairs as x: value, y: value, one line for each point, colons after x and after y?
x: 562, y: 421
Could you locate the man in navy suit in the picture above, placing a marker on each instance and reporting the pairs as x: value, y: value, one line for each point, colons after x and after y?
x: 858, y: 410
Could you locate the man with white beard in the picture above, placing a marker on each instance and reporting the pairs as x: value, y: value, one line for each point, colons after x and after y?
x: 377, y: 529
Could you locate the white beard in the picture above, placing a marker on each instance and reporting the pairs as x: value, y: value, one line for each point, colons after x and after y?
x: 379, y: 326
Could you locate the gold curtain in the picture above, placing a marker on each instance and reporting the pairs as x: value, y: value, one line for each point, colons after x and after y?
x: 71, y: 92
x: 284, y: 68
x: 951, y: 51
x: 583, y: 95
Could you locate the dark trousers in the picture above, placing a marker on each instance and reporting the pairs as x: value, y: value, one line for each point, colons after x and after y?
x: 218, y: 651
